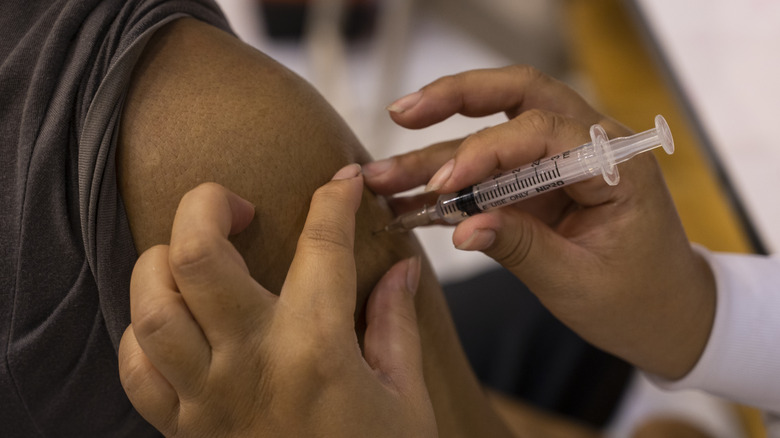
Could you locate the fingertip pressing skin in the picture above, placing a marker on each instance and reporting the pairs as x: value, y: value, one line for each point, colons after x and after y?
x: 349, y: 171
x: 375, y: 169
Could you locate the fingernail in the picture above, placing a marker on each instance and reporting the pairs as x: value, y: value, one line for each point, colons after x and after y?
x: 348, y: 171
x: 405, y: 103
x: 441, y: 176
x: 248, y: 204
x: 479, y: 240
x: 375, y: 168
x: 243, y: 206
x: 413, y: 274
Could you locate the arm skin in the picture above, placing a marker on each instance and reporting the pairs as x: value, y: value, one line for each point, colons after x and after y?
x: 202, y: 107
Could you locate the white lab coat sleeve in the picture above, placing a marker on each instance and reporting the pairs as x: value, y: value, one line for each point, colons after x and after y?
x: 741, y: 361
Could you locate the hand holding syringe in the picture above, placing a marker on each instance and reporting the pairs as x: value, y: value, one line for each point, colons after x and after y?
x: 613, y: 263
x: 599, y: 157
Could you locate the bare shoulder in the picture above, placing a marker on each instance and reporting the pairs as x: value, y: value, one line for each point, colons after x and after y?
x: 203, y: 106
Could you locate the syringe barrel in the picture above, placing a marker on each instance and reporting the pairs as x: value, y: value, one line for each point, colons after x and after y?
x: 519, y: 184
x: 455, y: 207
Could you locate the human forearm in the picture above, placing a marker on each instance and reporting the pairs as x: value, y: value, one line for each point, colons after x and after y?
x: 740, y: 361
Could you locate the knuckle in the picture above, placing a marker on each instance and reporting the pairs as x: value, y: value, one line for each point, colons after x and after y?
x: 529, y: 73
x: 451, y: 88
x: 312, y: 361
x: 149, y: 260
x: 152, y: 320
x: 205, y: 189
x: 336, y: 197
x: 513, y: 253
x: 325, y: 236
x: 544, y: 123
x: 414, y: 159
x: 192, y: 254
x: 475, y: 139
x: 326, y: 193
x: 446, y: 82
x: 539, y: 121
x: 475, y: 144
x: 471, y: 142
x: 430, y: 157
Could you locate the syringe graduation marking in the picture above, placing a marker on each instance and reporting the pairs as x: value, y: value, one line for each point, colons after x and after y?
x: 450, y: 208
x: 518, y: 184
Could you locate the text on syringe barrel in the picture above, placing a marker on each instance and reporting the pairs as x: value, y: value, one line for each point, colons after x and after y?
x: 519, y: 184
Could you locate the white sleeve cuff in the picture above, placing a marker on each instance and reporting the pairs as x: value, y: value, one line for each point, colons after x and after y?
x: 741, y: 361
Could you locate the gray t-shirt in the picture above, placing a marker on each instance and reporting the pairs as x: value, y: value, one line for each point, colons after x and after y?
x: 66, y: 252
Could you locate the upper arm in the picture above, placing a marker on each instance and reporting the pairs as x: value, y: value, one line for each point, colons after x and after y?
x: 202, y: 106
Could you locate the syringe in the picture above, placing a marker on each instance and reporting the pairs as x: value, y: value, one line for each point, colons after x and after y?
x: 599, y: 157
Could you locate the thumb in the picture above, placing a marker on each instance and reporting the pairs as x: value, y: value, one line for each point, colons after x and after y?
x: 521, y: 243
x: 392, y: 339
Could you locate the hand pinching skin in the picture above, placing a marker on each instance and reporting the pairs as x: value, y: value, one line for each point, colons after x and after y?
x: 212, y: 353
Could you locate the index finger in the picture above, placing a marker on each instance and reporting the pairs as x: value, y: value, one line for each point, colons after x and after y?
x: 321, y: 283
x: 520, y: 141
x: 478, y: 93
x: 210, y: 273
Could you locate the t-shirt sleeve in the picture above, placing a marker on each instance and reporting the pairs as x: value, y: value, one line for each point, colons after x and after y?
x: 105, y: 231
x: 67, y: 250
x: 741, y: 361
